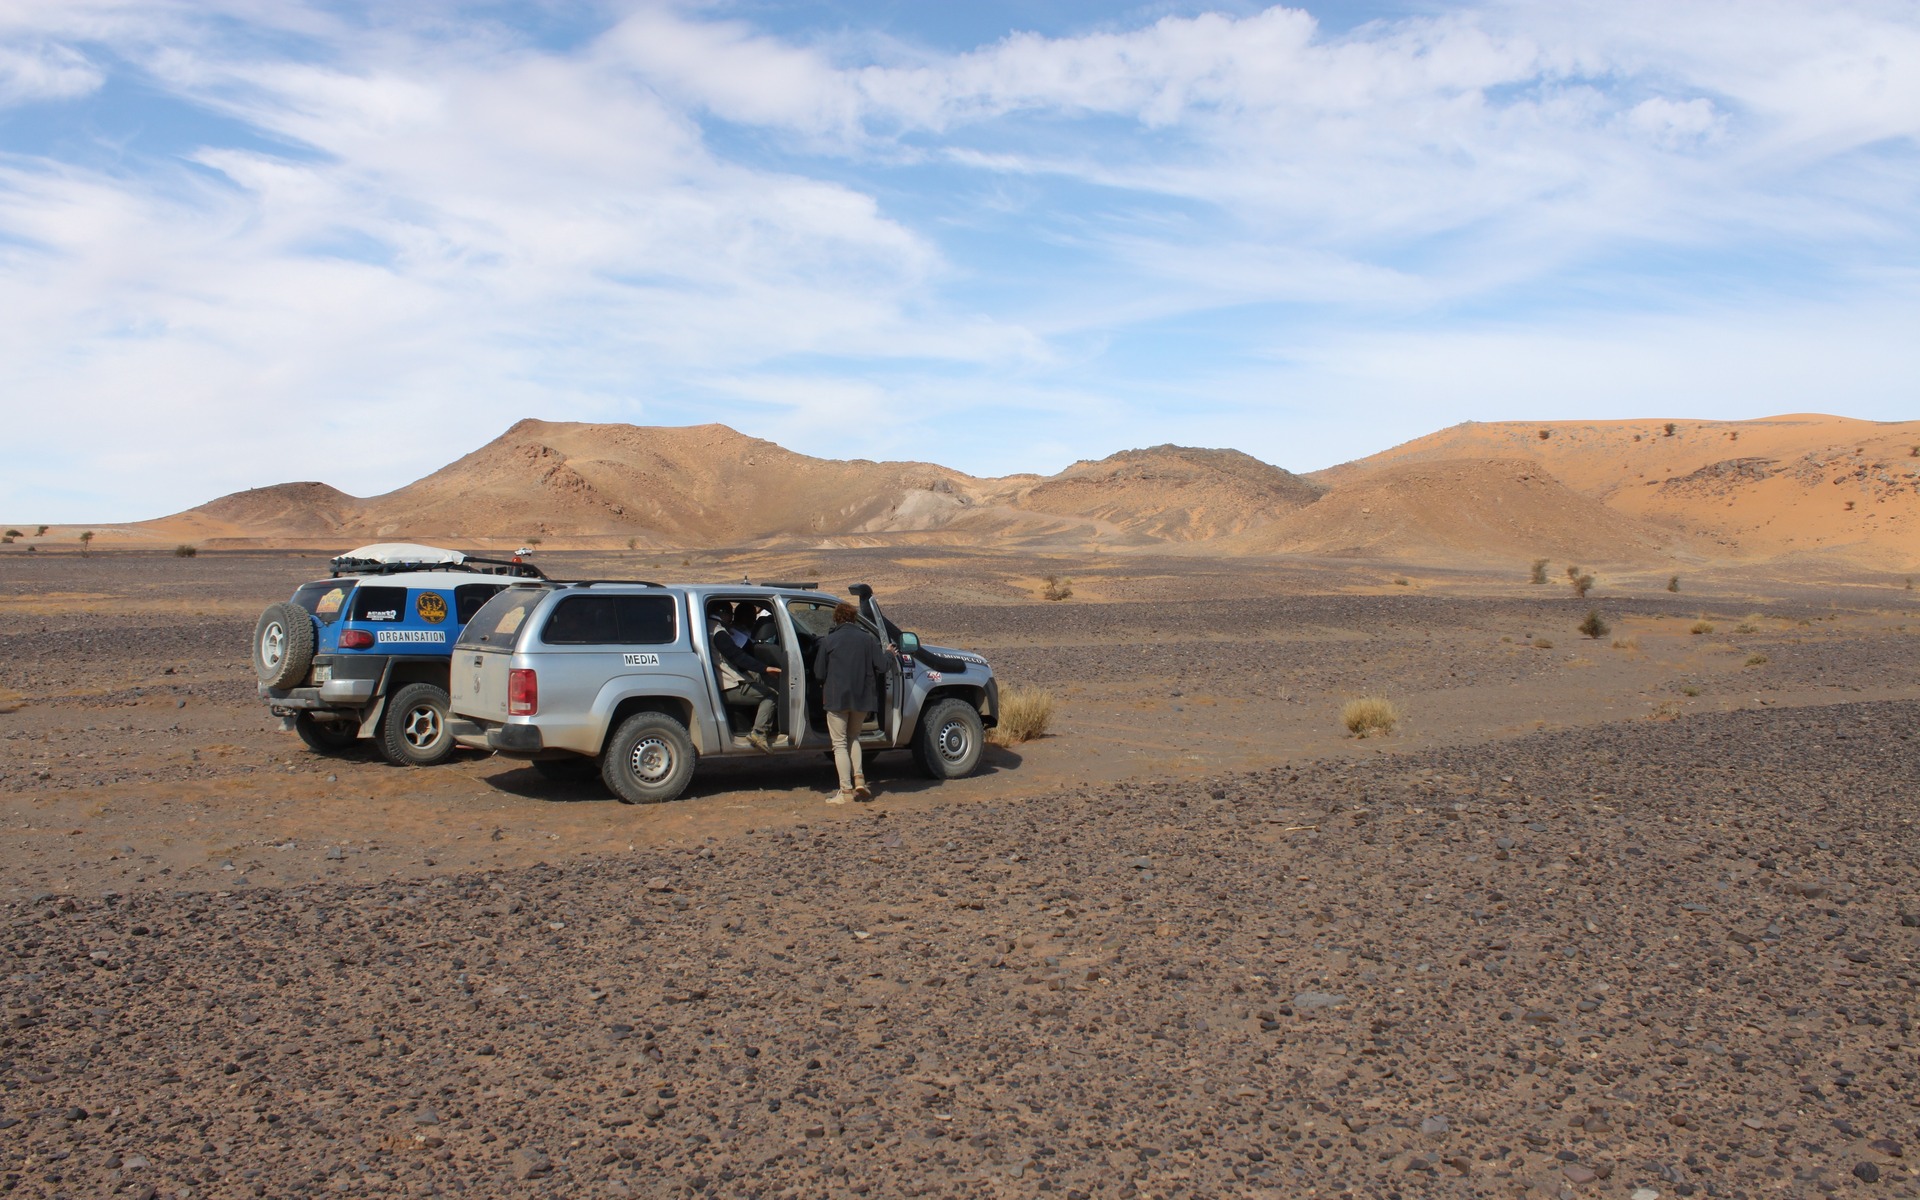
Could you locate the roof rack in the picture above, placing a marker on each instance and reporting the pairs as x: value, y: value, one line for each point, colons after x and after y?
x: 608, y: 582
x: 805, y: 585
x: 471, y: 566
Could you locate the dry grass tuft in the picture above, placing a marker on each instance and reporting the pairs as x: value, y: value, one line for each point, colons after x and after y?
x: 1700, y: 627
x: 1626, y: 643
x: 1543, y: 643
x: 1369, y: 715
x: 1025, y: 713
x: 11, y: 701
x: 1057, y: 588
x: 1754, y: 660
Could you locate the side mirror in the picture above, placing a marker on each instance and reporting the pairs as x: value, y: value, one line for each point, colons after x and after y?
x: 909, y: 642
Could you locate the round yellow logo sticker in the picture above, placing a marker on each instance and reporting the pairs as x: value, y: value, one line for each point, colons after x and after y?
x: 432, y: 607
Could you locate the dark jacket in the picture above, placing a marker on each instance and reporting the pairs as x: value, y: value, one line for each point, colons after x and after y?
x: 850, y: 666
x: 736, y: 665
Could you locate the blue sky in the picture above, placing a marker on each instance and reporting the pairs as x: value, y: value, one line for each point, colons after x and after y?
x: 251, y: 241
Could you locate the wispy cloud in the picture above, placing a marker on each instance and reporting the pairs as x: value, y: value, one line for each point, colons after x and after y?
x: 244, y: 241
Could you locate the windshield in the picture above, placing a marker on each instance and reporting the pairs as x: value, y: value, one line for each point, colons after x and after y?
x: 498, y: 623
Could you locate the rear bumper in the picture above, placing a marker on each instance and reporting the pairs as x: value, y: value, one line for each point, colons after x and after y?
x: 501, y: 739
x: 335, y: 693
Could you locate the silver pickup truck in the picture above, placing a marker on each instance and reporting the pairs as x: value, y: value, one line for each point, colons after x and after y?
x: 620, y: 678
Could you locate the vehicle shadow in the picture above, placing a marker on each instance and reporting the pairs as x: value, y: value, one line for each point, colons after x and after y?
x: 807, y: 772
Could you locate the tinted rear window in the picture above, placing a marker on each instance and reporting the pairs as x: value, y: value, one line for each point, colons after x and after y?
x: 612, y: 621
x: 499, y: 621
x: 324, y: 599
x: 378, y: 604
x: 469, y: 597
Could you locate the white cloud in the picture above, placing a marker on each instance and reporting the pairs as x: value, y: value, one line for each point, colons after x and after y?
x: 460, y: 227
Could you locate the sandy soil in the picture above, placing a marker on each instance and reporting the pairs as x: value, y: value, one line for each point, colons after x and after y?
x: 1600, y: 916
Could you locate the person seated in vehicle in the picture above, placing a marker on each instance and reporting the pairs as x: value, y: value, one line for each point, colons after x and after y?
x: 745, y: 681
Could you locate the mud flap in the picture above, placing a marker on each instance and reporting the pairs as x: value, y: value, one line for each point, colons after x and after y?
x: 370, y: 724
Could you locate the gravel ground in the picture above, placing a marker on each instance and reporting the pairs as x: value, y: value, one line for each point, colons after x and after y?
x: 1674, y: 956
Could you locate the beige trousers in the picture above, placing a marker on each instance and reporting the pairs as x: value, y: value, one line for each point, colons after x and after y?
x: 843, y: 728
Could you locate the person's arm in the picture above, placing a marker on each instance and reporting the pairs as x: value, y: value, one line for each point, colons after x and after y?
x: 736, y: 658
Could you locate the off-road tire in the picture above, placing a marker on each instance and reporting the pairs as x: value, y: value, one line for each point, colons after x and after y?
x: 413, y: 729
x: 323, y: 737
x: 283, y: 643
x: 950, y: 740
x: 650, y: 759
x: 575, y: 769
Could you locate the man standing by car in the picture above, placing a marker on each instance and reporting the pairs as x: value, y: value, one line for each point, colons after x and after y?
x: 851, y: 668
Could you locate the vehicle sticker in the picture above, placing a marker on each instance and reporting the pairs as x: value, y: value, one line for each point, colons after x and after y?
x: 511, y: 621
x: 432, y: 607
x: 385, y: 614
x: 330, y: 603
x: 410, y: 635
x: 933, y: 676
x: 642, y: 660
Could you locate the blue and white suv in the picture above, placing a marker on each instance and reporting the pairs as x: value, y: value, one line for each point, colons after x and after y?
x: 364, y: 654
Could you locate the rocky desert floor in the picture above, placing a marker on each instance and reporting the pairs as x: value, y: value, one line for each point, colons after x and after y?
x: 1632, y: 916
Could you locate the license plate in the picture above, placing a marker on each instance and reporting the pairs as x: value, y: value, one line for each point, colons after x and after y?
x: 322, y: 674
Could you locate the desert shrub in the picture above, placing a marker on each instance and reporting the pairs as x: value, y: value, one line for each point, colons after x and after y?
x: 1582, y: 584
x: 1543, y: 643
x: 1595, y: 626
x: 1626, y: 643
x: 39, y: 531
x: 1545, y: 434
x: 1849, y: 506
x: 633, y: 543
x: 14, y: 533
x: 1700, y: 627
x: 86, y: 541
x: 6, y: 540
x: 1673, y: 583
x: 1688, y: 689
x: 1025, y: 714
x: 1754, y: 660
x: 533, y: 541
x: 1668, y: 428
x: 1750, y: 625
x: 1572, y: 572
x: 1057, y: 588
x: 1539, y: 574
x: 1369, y: 715
x: 1400, y: 583
x: 1909, y: 583
x: 185, y: 551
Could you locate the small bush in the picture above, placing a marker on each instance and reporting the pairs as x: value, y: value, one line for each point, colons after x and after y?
x: 1668, y: 428
x: 1700, y: 627
x: 185, y: 551
x: 1025, y: 714
x: 1673, y: 583
x: 1545, y: 434
x: 14, y: 533
x: 1573, y: 572
x: 1542, y: 643
x: 1582, y: 584
x: 1595, y: 626
x: 1400, y: 583
x: 6, y: 541
x: 39, y: 531
x: 1754, y: 660
x: 1539, y: 574
x: 86, y: 541
x: 1750, y: 625
x: 1626, y: 643
x: 1688, y: 689
x: 1057, y: 588
x: 1369, y: 715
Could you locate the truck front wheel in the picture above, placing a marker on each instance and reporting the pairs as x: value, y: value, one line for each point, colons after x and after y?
x: 650, y: 759
x: 950, y: 739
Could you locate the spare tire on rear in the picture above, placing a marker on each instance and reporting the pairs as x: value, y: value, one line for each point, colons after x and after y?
x: 283, y: 645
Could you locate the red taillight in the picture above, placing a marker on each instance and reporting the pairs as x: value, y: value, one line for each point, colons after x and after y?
x: 356, y: 639
x: 523, y: 693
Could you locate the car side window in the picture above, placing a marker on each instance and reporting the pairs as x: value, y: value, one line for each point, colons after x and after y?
x: 378, y: 604
x: 810, y: 617
x: 612, y: 620
x: 468, y: 599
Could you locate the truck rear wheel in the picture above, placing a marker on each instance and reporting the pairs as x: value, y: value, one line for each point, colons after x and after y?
x: 950, y: 739
x: 650, y: 759
x: 413, y: 729
x: 283, y: 644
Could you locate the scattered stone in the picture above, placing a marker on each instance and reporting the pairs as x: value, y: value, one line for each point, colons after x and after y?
x: 1435, y: 1126
x: 528, y: 1164
x: 1866, y: 1172
x: 1308, y: 1001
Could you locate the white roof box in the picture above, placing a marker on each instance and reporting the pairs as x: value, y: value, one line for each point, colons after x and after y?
x: 393, y: 554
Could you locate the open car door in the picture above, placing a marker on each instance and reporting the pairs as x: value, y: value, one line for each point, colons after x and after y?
x: 894, y: 702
